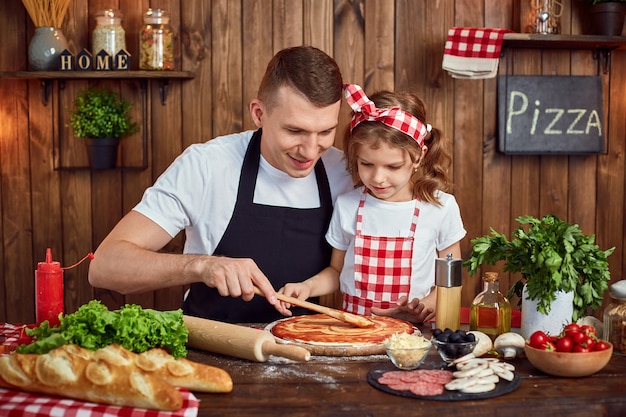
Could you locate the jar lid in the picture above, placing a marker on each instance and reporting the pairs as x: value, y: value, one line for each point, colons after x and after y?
x: 107, y: 20
x: 109, y: 16
x: 156, y: 16
x: 618, y: 290
x: 110, y: 13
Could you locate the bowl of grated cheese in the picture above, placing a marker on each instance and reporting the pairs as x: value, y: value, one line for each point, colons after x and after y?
x: 407, y: 351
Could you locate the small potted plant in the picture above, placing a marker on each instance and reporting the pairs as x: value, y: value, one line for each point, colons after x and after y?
x: 554, y: 257
x: 101, y: 117
x: 606, y: 17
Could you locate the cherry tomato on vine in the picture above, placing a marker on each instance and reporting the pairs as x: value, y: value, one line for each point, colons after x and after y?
x: 581, y: 349
x: 588, y: 330
x: 538, y: 339
x: 564, y: 344
x: 572, y: 327
x: 549, y: 346
x: 589, y: 342
x: 601, y: 345
x: 577, y: 337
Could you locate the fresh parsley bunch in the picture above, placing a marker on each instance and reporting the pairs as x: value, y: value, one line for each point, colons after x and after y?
x: 551, y: 255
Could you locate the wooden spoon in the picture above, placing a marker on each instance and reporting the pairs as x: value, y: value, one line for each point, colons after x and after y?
x: 353, y: 319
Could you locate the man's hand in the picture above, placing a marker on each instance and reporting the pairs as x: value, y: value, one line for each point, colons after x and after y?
x: 237, y: 277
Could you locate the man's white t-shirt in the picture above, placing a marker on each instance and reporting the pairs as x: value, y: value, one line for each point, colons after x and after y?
x: 198, y: 191
x: 437, y: 228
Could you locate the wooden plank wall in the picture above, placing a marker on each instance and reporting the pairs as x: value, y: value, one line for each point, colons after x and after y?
x: 380, y: 44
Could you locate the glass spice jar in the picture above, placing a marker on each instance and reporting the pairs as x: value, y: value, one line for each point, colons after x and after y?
x: 156, y: 41
x: 109, y: 33
x: 614, y: 320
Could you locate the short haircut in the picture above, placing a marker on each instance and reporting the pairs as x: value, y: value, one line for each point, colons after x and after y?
x: 305, y: 69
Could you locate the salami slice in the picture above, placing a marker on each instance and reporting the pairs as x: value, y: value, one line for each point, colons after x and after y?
x: 435, y: 376
x: 396, y: 374
x: 400, y: 386
x: 426, y: 389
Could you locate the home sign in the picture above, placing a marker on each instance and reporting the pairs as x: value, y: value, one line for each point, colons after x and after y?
x: 102, y: 61
x: 550, y: 115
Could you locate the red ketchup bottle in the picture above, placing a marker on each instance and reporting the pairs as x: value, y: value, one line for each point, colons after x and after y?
x: 49, y: 291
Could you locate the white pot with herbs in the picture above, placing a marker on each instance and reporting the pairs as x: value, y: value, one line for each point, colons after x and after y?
x: 564, y: 273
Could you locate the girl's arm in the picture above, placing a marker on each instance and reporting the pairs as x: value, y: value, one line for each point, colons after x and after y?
x: 454, y: 249
x: 323, y: 283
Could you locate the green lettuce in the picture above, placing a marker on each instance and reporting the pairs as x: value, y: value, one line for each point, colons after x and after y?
x: 94, y: 326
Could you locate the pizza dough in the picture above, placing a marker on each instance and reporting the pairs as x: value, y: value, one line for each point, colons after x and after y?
x: 327, y: 336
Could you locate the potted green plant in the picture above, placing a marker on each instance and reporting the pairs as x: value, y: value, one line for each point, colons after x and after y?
x: 101, y: 117
x: 553, y: 257
x: 606, y: 17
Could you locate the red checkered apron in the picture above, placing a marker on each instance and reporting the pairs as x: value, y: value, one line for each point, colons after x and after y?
x: 382, y: 267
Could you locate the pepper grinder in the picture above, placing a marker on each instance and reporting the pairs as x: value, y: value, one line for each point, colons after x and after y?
x: 49, y: 291
x: 448, y: 279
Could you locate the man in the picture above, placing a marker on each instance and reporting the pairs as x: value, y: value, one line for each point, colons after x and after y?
x: 254, y: 205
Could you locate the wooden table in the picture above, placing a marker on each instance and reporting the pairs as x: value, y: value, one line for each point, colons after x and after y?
x: 327, y: 386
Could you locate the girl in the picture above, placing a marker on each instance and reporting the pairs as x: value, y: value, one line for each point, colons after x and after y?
x: 388, y: 231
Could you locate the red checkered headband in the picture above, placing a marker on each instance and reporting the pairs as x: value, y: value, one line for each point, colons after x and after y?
x: 366, y: 111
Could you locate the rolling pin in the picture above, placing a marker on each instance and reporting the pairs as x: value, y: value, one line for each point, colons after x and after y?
x: 239, y: 341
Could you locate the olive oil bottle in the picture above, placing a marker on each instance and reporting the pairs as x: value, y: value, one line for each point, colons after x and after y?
x: 490, y: 311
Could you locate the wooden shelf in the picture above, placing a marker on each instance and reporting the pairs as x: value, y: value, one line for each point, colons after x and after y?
x: 47, y: 77
x: 82, y: 75
x: 533, y: 40
x: 600, y: 45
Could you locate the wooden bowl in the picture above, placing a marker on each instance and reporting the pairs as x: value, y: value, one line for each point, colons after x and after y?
x: 568, y: 364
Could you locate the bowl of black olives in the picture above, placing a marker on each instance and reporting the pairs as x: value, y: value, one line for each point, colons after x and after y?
x: 452, y: 344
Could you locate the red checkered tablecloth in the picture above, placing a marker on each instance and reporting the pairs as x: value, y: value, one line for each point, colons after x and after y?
x: 12, y: 335
x: 19, y: 403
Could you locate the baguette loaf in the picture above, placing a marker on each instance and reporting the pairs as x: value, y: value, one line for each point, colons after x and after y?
x: 71, y: 371
x: 178, y: 372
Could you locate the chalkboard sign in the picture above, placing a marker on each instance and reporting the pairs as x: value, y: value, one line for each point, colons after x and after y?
x: 550, y: 115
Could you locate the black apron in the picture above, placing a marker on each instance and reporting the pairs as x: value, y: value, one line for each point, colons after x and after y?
x: 286, y: 243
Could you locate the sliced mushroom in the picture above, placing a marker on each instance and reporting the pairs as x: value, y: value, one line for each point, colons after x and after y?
x: 484, y: 345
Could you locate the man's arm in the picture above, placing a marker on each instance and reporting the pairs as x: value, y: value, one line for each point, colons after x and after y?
x: 128, y: 261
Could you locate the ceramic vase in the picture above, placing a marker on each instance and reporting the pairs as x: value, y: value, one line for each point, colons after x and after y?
x: 561, y: 312
x: 45, y: 48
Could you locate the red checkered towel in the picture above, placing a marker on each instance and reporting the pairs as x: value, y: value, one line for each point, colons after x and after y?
x: 473, y: 52
x: 25, y: 404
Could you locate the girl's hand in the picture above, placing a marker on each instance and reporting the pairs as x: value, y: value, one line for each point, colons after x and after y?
x: 414, y: 311
x: 296, y: 290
